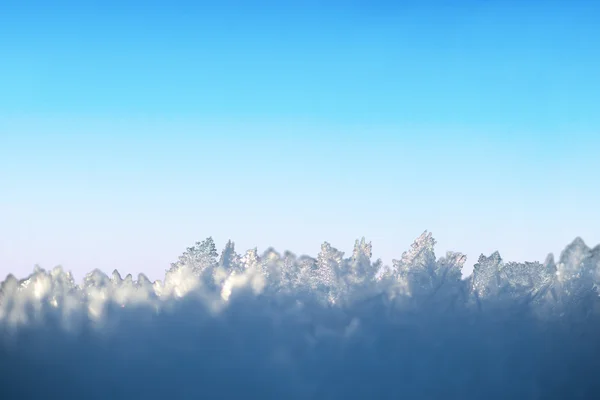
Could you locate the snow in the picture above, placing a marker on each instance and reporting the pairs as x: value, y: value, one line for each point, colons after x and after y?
x: 282, y: 326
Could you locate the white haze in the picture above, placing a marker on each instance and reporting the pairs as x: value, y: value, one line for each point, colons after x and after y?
x: 280, y: 326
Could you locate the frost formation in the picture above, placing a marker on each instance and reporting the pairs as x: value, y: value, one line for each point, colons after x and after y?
x: 283, y: 326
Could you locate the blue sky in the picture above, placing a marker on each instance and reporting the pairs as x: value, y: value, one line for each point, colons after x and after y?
x: 128, y: 132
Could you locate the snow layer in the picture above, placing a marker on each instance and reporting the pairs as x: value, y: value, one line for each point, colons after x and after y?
x: 286, y: 327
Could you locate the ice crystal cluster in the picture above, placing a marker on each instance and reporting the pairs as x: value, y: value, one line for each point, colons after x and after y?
x: 279, y: 326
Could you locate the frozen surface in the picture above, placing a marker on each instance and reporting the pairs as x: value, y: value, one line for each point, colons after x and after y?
x: 280, y: 326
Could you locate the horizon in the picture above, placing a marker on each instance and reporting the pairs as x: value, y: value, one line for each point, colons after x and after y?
x: 262, y: 252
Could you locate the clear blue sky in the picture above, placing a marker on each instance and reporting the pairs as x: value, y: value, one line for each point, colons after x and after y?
x: 128, y: 132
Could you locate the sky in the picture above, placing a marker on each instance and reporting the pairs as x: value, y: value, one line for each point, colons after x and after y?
x: 130, y: 130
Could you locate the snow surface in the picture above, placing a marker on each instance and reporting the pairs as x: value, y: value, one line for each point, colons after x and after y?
x: 287, y: 327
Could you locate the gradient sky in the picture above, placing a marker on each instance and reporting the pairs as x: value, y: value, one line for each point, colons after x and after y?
x: 128, y: 132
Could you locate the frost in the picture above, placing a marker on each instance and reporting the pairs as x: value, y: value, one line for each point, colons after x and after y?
x: 304, y: 327
x: 328, y: 267
x: 250, y: 260
x: 199, y: 258
x: 230, y: 260
x: 576, y: 283
x: 418, y: 278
